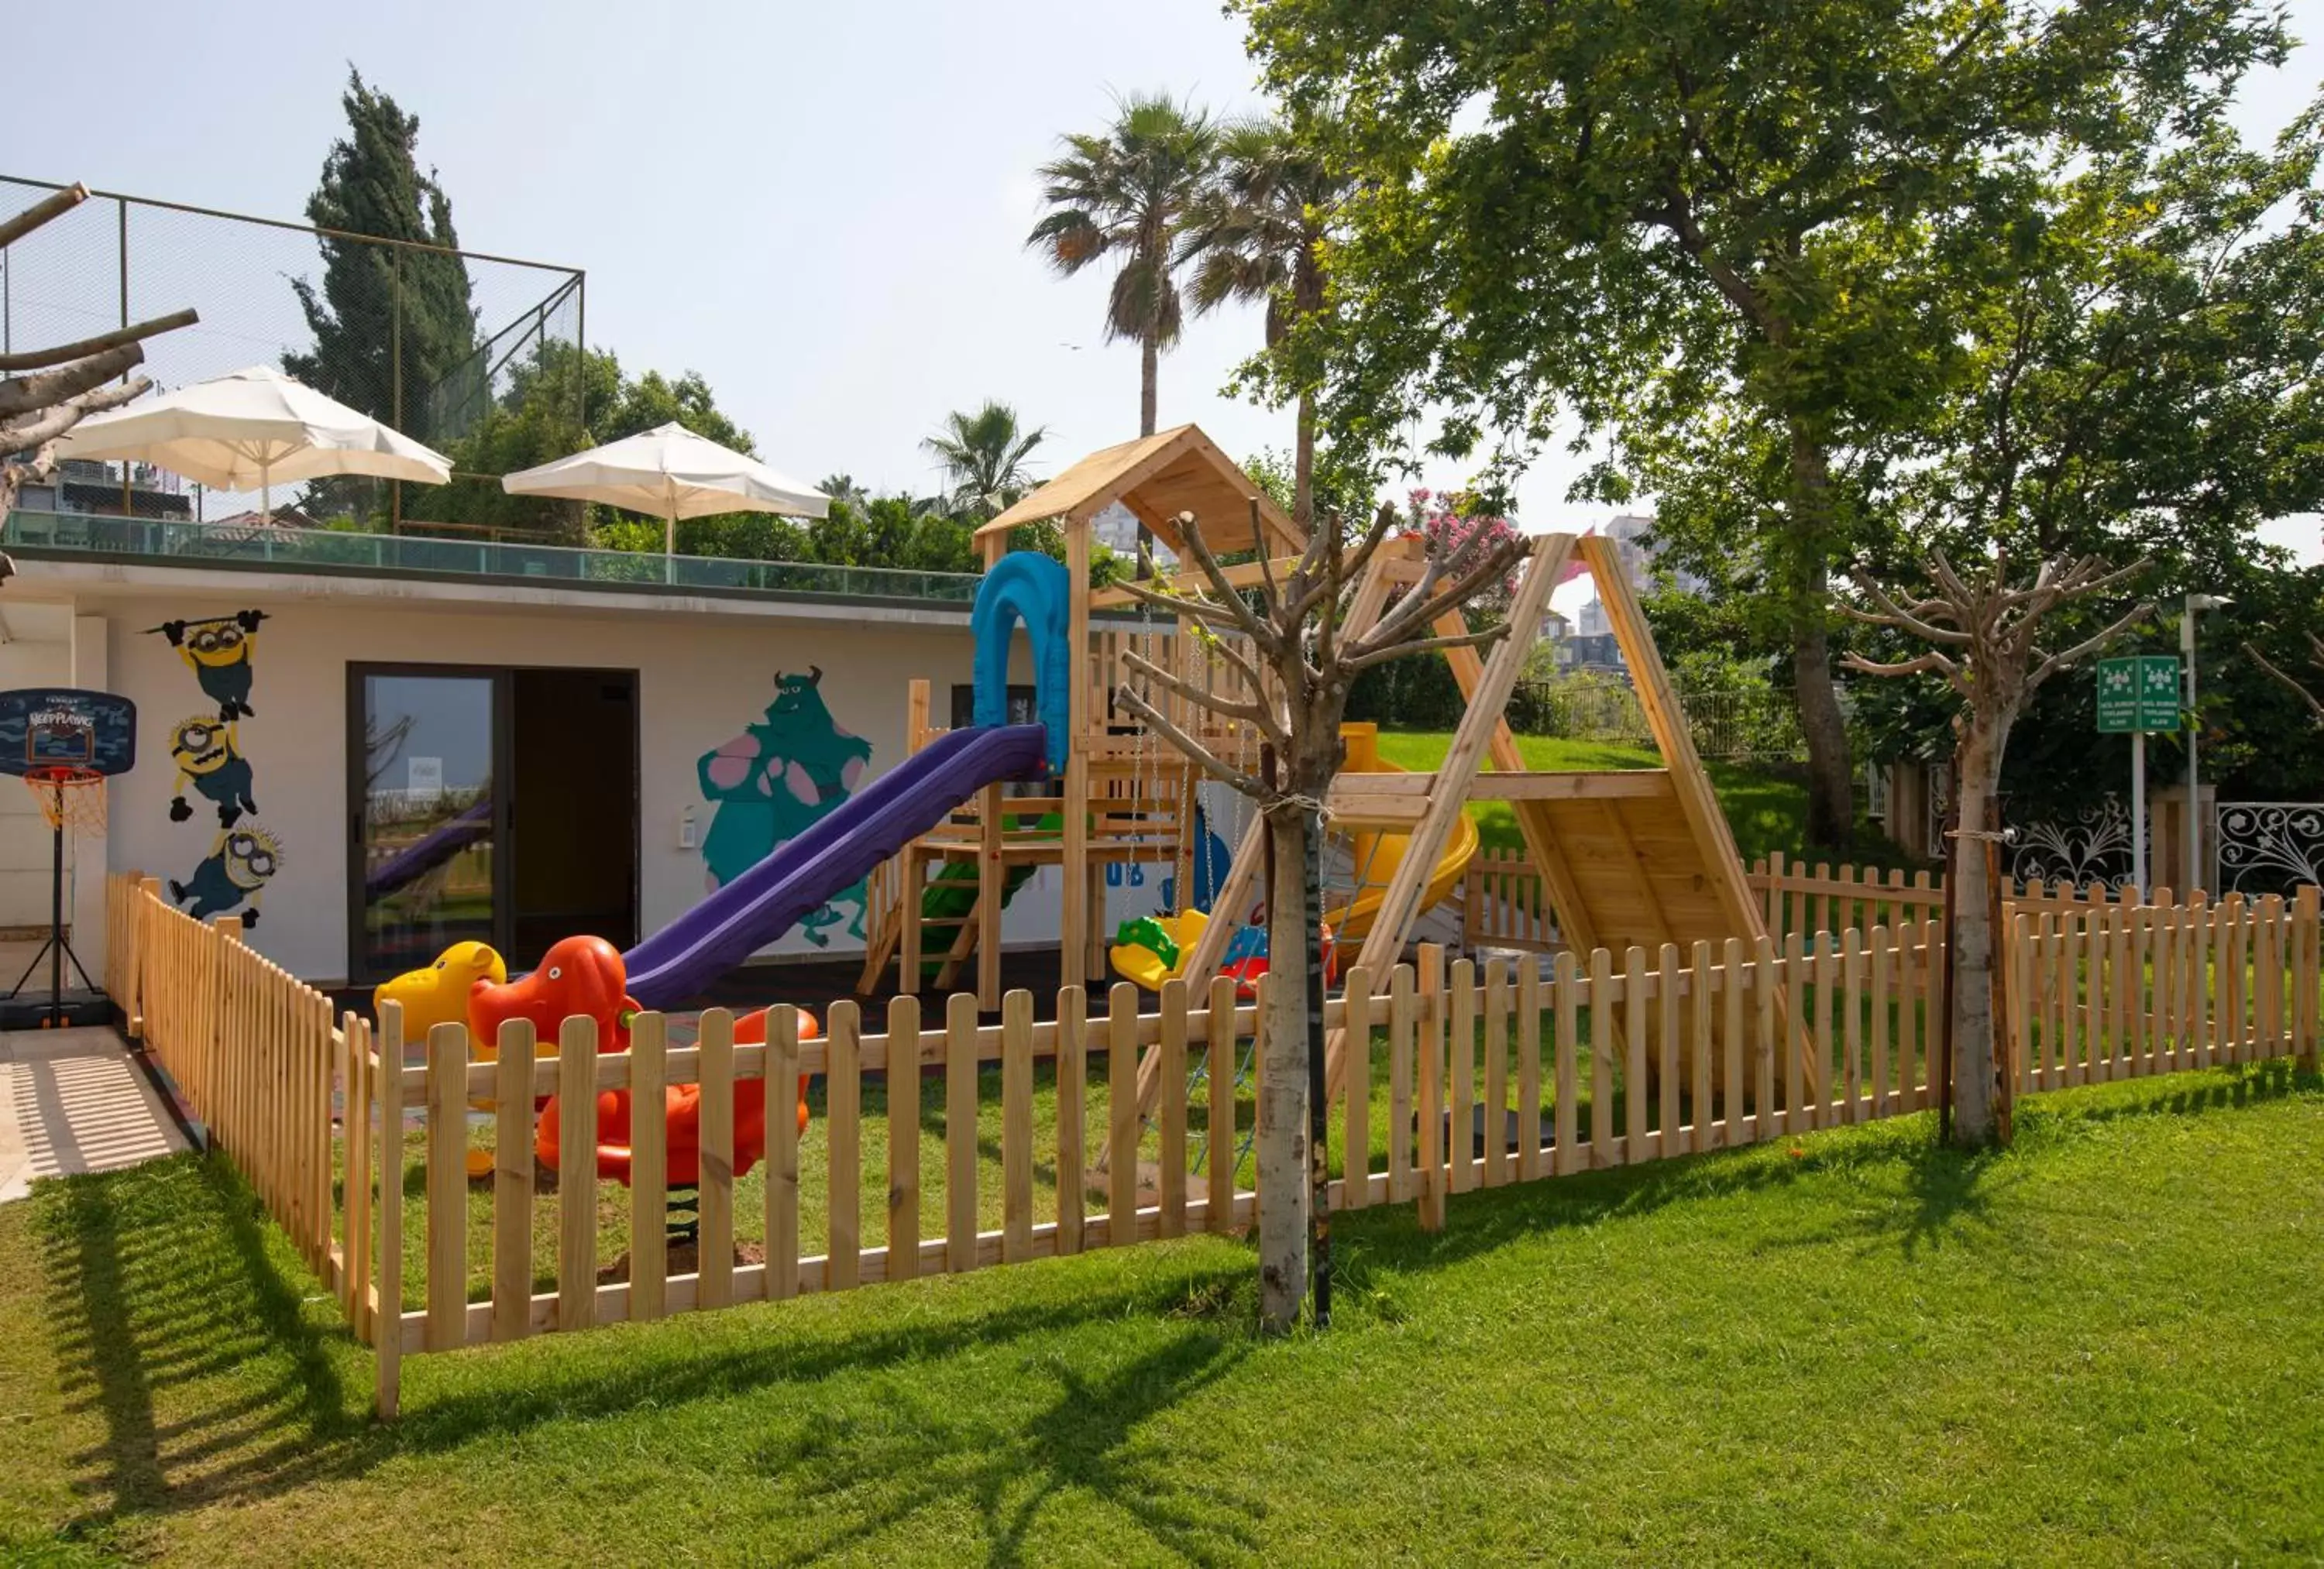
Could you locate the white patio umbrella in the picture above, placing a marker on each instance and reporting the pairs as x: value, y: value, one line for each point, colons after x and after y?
x: 670, y: 472
x: 245, y: 430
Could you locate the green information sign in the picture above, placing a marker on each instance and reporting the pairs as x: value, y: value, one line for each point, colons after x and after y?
x: 2140, y: 694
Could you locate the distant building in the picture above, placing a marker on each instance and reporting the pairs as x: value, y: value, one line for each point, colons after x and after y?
x: 82, y: 485
x: 1592, y: 622
x: 1600, y: 650
x: 1634, y: 542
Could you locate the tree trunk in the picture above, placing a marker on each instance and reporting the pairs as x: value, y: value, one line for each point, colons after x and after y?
x: 1303, y: 468
x: 1979, y: 1060
x: 1286, y: 1199
x: 1831, y: 775
x: 1149, y: 371
x: 1831, y: 782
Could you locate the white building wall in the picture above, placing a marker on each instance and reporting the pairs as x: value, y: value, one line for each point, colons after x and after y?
x: 35, y: 650
x: 701, y: 679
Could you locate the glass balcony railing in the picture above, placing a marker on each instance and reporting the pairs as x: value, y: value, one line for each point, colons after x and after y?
x: 67, y: 534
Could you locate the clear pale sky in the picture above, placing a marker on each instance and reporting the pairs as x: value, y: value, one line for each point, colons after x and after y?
x: 822, y: 208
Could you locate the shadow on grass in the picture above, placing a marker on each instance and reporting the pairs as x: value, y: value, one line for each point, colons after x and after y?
x: 167, y: 1292
x: 218, y: 1370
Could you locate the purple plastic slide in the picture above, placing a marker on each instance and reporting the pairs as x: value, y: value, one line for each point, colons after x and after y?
x: 426, y: 854
x: 685, y: 957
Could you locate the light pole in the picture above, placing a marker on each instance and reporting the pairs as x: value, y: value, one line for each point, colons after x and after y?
x: 2196, y: 605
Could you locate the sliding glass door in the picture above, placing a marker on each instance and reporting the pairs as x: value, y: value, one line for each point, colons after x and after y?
x: 493, y: 806
x: 431, y: 820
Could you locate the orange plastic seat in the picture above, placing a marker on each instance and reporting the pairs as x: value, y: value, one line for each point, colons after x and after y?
x: 682, y: 1119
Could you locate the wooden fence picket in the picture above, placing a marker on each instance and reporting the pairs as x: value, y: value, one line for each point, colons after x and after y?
x: 1222, y: 1150
x: 1496, y: 1119
x: 649, y: 1158
x: 1171, y: 1045
x: 1123, y: 1123
x: 447, y: 1187
x: 388, y: 1336
x: 513, y: 1182
x: 1403, y: 1034
x: 960, y: 1133
x: 577, y: 1172
x: 1460, y: 1093
x: 782, y: 1194
x: 1671, y: 1016
x: 901, y: 1067
x: 713, y: 1251
x: 1433, y: 1114
x: 1356, y: 1130
x: 1017, y: 1125
x: 1601, y: 1058
x: 1634, y: 1054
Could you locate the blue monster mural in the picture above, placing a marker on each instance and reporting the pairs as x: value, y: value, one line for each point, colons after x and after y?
x: 772, y: 781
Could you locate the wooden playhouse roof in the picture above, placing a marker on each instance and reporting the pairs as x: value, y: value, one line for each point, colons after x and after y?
x: 1157, y: 477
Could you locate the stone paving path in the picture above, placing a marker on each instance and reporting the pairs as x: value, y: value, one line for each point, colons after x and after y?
x: 71, y: 1101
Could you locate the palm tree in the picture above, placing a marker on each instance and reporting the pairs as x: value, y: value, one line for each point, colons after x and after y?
x: 844, y: 488
x: 1255, y: 233
x: 1124, y: 193
x: 982, y: 455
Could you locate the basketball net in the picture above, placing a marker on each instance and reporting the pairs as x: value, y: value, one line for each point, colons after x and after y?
x: 70, y: 797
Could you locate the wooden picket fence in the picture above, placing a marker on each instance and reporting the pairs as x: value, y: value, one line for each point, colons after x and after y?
x: 1503, y: 906
x: 1027, y: 1142
x: 421, y: 1111
x: 2100, y: 989
x: 249, y: 1047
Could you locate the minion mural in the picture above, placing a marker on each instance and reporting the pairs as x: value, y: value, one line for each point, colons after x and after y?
x: 203, y: 749
x: 778, y: 777
x: 220, y: 651
x: 240, y: 864
x: 207, y: 751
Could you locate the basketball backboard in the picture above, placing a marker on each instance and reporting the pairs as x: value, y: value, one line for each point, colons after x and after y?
x: 67, y: 726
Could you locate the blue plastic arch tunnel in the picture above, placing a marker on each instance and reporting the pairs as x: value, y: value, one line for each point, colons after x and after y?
x: 1028, y: 588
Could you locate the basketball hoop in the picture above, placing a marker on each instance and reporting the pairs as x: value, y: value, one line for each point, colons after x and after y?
x: 69, y: 796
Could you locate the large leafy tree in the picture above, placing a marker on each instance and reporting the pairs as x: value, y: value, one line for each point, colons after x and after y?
x: 1122, y: 196
x: 373, y: 297
x: 2141, y: 378
x: 1636, y: 213
x: 982, y: 456
x: 1256, y: 234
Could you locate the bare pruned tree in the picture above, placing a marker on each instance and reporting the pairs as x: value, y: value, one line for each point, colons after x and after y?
x: 1984, y: 637
x: 1298, y: 648
x: 50, y: 390
x: 2299, y: 689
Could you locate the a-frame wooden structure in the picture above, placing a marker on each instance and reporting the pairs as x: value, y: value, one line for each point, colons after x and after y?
x: 1636, y: 857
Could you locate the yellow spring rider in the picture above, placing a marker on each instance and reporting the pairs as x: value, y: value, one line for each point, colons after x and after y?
x: 438, y: 993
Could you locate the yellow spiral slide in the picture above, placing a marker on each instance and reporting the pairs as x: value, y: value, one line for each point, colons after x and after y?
x: 1376, y: 856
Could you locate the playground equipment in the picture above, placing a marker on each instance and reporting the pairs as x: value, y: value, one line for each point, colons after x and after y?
x: 682, y: 1118
x: 64, y: 742
x: 438, y: 993
x: 1116, y: 797
x: 1375, y: 854
x: 1640, y: 856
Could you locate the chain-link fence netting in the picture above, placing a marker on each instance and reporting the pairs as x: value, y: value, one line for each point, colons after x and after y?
x: 449, y: 347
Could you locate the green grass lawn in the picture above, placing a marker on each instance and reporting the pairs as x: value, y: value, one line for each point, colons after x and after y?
x: 2103, y: 1345
x: 1766, y: 813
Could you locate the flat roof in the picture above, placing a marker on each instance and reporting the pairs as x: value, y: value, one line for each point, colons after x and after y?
x: 547, y: 570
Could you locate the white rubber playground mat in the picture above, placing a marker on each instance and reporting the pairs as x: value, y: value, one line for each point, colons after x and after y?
x: 71, y: 1101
